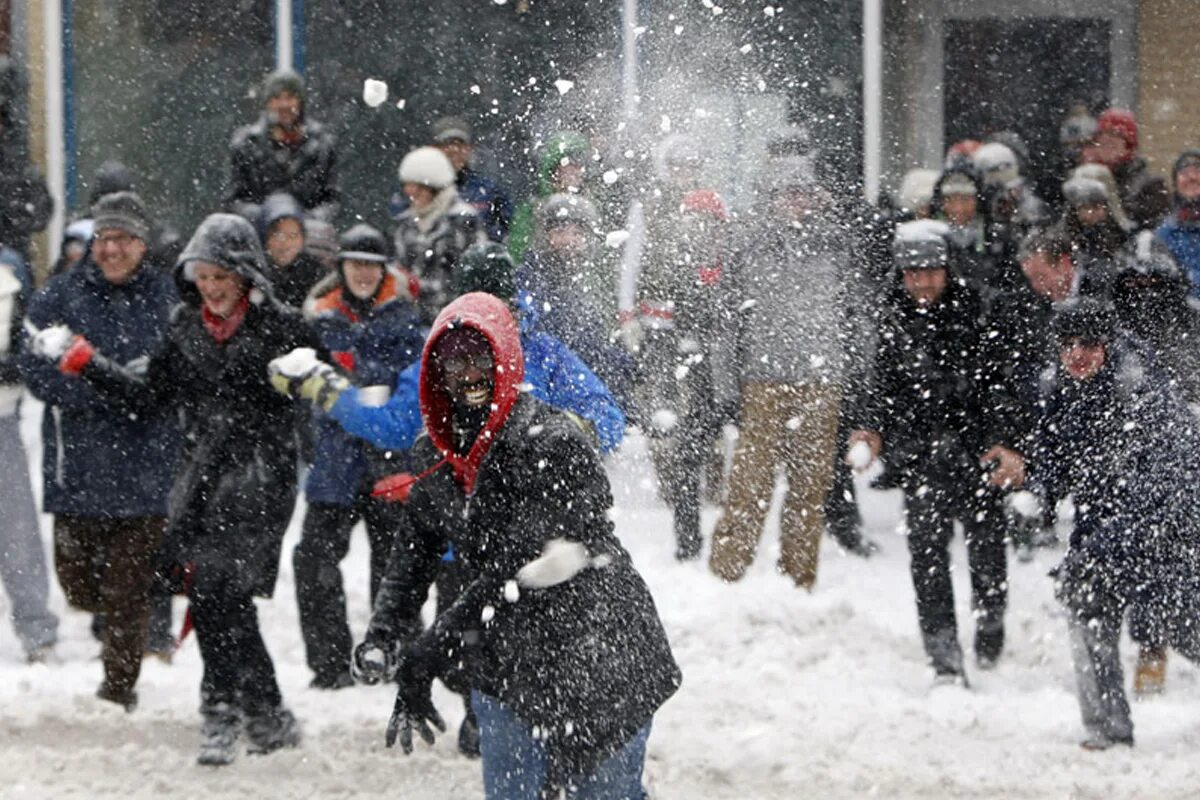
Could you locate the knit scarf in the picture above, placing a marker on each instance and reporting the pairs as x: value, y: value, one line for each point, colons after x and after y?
x: 223, y: 328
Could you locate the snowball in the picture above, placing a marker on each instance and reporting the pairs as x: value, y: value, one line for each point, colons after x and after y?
x: 560, y: 561
x: 374, y: 92
x: 792, y: 424
x: 400, y: 104
x: 564, y: 86
x: 615, y: 239
x: 664, y: 420
x: 769, y: 11
x: 299, y: 362
x: 489, y: 613
x: 511, y: 593
x: 860, y: 455
x: 1024, y: 503
x: 610, y: 177
x: 475, y: 88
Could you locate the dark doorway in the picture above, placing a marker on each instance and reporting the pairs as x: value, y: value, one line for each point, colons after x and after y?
x: 1024, y: 75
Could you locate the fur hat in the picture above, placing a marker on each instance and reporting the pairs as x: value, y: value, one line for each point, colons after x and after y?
x: 427, y: 166
x: 1085, y: 192
x: 916, y: 189
x: 996, y: 164
x: 920, y: 244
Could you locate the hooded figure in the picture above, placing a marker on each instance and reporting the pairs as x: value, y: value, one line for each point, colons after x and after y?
x: 232, y: 496
x: 1181, y: 231
x: 566, y: 673
x: 562, y: 168
x: 292, y: 271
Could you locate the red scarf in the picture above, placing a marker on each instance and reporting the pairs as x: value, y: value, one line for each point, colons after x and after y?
x: 223, y: 328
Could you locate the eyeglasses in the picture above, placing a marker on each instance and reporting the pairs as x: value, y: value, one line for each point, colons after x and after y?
x: 456, y: 365
x: 118, y: 239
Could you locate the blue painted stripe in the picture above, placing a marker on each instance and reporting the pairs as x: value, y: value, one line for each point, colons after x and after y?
x: 298, y: 36
x: 70, y: 155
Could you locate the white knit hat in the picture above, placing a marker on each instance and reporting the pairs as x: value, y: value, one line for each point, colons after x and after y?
x: 996, y: 164
x: 427, y: 166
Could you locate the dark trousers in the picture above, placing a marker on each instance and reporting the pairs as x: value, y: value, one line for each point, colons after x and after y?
x: 238, y: 671
x: 320, y: 593
x: 106, y: 566
x: 931, y: 508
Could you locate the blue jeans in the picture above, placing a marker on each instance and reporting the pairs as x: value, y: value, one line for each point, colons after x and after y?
x: 514, y: 763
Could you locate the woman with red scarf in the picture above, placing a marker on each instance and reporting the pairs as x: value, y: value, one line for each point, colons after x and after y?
x: 233, y: 495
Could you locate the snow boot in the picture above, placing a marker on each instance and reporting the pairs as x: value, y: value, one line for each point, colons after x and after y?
x: 127, y: 699
x: 338, y: 680
x: 271, y: 731
x: 989, y: 642
x: 468, y: 736
x: 1150, y: 678
x: 1097, y: 741
x: 946, y: 658
x: 222, y: 724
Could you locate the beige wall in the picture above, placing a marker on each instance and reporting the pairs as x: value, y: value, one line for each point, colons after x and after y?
x: 1168, y: 79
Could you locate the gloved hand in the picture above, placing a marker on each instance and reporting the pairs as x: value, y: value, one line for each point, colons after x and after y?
x: 50, y: 343
x: 414, y: 705
x: 301, y: 375
x: 374, y: 662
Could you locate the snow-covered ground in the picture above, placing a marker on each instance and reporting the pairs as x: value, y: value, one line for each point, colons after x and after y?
x: 786, y: 694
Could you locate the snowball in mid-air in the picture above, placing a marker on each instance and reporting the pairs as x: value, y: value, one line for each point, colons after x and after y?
x: 564, y: 86
x: 615, y: 239
x: 860, y: 455
x: 374, y: 92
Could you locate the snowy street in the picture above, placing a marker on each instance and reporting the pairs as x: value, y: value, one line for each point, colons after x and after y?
x: 785, y: 695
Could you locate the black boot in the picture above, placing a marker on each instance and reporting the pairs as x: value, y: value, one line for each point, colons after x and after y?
x: 468, y: 736
x: 989, y: 642
x: 945, y: 656
x: 271, y: 730
x: 222, y: 724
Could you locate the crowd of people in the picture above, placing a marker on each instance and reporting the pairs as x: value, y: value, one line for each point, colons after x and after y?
x: 456, y: 386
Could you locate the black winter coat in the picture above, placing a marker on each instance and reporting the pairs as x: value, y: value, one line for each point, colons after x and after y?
x: 233, y: 494
x: 259, y: 166
x: 590, y: 652
x: 936, y: 389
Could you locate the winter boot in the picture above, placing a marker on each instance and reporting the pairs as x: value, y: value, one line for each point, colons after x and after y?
x: 272, y: 730
x: 468, y: 736
x: 337, y: 680
x: 1099, y: 740
x: 946, y: 658
x: 989, y: 642
x: 1151, y: 675
x: 127, y: 699
x: 222, y: 724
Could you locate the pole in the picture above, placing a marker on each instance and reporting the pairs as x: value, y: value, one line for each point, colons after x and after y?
x: 872, y: 96
x: 52, y: 78
x: 284, y: 54
x: 629, y: 75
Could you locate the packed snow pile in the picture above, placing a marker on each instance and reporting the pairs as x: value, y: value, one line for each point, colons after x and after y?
x: 785, y: 694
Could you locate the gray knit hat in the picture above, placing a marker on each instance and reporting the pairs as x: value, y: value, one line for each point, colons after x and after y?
x: 123, y: 211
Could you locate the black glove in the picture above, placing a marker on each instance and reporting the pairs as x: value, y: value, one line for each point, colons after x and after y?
x: 414, y: 705
x: 375, y: 661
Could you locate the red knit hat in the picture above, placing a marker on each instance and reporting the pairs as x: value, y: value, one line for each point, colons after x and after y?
x: 1121, y: 122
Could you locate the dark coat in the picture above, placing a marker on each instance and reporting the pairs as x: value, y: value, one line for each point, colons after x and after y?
x: 233, y: 494
x: 374, y: 343
x: 25, y: 202
x: 260, y: 166
x: 99, y: 462
x: 1145, y: 197
x: 431, y: 254
x: 1124, y: 445
x: 589, y: 653
x: 936, y: 397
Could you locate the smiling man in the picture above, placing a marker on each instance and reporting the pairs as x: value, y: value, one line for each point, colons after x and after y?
x: 106, y: 474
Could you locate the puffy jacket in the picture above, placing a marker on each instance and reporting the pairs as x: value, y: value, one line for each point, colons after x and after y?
x: 429, y: 244
x: 373, y: 343
x: 566, y: 144
x: 553, y: 374
x: 585, y: 661
x: 259, y: 166
x: 100, y: 462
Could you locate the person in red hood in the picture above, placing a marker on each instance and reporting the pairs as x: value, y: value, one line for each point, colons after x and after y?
x: 554, y: 634
x: 1145, y: 197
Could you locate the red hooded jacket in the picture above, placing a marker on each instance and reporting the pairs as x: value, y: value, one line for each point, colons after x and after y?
x: 491, y: 317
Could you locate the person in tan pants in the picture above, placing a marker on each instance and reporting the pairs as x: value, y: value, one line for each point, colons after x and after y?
x: 793, y: 425
x: 792, y: 283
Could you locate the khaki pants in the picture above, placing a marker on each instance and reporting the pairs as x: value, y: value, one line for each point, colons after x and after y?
x: 793, y: 425
x: 107, y: 566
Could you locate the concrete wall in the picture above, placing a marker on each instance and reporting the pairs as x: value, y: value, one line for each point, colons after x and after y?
x: 1169, y: 79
